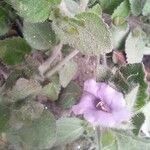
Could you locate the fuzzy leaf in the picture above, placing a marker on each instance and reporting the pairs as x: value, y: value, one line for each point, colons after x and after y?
x: 89, y: 34
x: 69, y: 95
x: 120, y: 13
x: 4, y: 117
x: 131, y: 143
x: 4, y: 27
x: 146, y: 8
x: 39, y: 134
x: 136, y: 6
x: 96, y: 9
x: 39, y: 35
x: 12, y: 51
x: 137, y: 121
x: 135, y: 46
x: 52, y: 89
x: 118, y: 35
x: 67, y: 73
x: 146, y: 124
x: 32, y: 10
x: 109, y: 5
x: 24, y: 88
x: 68, y: 130
x: 135, y: 75
x: 107, y: 138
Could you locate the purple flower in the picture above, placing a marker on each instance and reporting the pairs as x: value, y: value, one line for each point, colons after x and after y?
x: 102, y: 105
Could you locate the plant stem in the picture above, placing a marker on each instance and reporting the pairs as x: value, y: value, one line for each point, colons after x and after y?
x: 98, y: 138
x: 59, y: 65
x: 47, y: 64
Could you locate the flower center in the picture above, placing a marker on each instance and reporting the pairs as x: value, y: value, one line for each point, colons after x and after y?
x: 102, y: 106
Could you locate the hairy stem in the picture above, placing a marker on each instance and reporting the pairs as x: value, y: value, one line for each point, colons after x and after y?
x: 98, y: 135
x: 61, y: 64
x: 47, y: 64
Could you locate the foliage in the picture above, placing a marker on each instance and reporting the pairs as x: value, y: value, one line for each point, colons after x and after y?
x: 72, y: 41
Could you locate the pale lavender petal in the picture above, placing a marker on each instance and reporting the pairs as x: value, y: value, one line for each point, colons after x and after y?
x: 121, y: 115
x: 100, y: 118
x: 85, y: 104
x: 91, y: 86
x: 111, y: 97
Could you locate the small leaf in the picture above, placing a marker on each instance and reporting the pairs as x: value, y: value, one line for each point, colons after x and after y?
x: 68, y: 130
x: 131, y: 98
x: 4, y: 27
x: 119, y: 34
x: 146, y: 8
x: 126, y: 141
x: 39, y: 35
x: 67, y: 73
x: 32, y: 10
x: 88, y: 33
x: 52, y: 89
x: 107, y: 138
x: 4, y: 117
x: 24, y: 88
x: 96, y: 9
x: 109, y: 6
x: 135, y: 46
x: 13, y: 50
x: 137, y: 121
x: 120, y: 13
x: 69, y: 95
x: 136, y: 6
x: 38, y: 134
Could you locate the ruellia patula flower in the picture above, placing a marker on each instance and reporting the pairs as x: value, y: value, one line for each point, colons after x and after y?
x: 102, y: 105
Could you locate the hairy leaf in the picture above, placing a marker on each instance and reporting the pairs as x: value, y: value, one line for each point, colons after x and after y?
x: 89, y: 34
x: 68, y: 130
x: 146, y: 8
x: 12, y: 51
x: 120, y: 13
x: 67, y: 73
x: 69, y: 95
x: 32, y: 10
x: 39, y: 35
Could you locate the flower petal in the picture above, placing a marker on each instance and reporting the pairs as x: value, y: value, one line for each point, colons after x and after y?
x: 92, y: 87
x: 86, y: 103
x: 111, y: 97
x: 122, y: 115
x: 100, y: 118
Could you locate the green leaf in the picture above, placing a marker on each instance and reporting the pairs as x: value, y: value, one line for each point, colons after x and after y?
x: 54, y: 2
x: 107, y: 138
x: 146, y: 125
x: 32, y: 10
x: 135, y: 75
x: 136, y: 6
x: 70, y: 95
x: 120, y: 13
x: 24, y: 88
x: 131, y: 98
x: 119, y: 34
x: 39, y: 35
x: 67, y: 73
x: 131, y: 143
x: 4, y: 117
x: 135, y: 46
x: 109, y: 5
x: 96, y: 9
x: 69, y: 7
x: 89, y: 34
x: 146, y: 8
x: 68, y: 130
x: 38, y: 134
x: 4, y: 27
x: 137, y: 121
x: 52, y: 89
x: 13, y: 51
